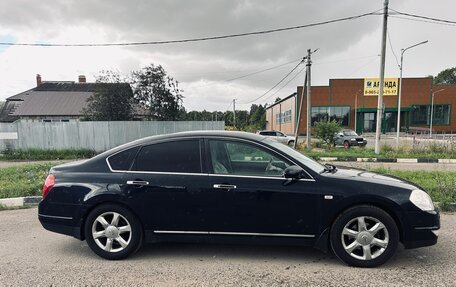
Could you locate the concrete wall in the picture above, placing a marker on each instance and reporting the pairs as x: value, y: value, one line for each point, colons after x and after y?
x: 98, y: 136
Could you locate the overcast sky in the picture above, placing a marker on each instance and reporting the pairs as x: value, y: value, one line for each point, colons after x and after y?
x: 346, y: 50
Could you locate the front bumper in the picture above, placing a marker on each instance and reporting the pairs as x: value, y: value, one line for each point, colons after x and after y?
x: 358, y: 143
x: 420, y: 228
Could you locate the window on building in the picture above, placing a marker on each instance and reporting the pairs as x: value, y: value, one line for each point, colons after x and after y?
x: 283, y: 117
x: 369, y: 122
x: 338, y: 113
x: 421, y: 115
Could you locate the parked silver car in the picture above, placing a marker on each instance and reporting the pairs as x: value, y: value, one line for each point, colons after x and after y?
x: 348, y: 138
x: 278, y: 136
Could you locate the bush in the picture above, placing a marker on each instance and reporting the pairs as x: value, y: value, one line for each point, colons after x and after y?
x: 325, y: 131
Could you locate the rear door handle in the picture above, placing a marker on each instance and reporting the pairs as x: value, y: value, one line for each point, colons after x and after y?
x: 224, y: 186
x: 137, y: 182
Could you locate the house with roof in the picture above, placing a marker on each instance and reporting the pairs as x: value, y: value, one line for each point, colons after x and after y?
x: 53, y: 101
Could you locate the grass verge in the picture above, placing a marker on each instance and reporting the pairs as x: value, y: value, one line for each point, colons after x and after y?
x: 441, y: 185
x: 355, y: 152
x: 23, y: 180
x: 37, y: 154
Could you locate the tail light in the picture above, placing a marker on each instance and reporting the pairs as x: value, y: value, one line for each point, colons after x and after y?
x: 48, y: 184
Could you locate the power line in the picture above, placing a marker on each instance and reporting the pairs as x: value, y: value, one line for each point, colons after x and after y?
x: 423, y: 17
x: 194, y: 39
x: 423, y: 21
x: 286, y: 84
x: 392, y: 49
x: 250, y: 74
x: 278, y: 83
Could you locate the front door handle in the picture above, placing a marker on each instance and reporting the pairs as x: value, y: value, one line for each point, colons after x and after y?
x: 224, y: 186
x: 137, y: 182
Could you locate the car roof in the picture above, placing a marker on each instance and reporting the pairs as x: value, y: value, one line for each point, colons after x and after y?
x: 187, y: 134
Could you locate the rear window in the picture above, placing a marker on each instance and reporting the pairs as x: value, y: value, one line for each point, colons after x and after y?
x: 176, y: 156
x: 123, y: 159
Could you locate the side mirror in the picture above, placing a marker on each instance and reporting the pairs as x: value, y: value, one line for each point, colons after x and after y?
x: 294, y: 172
x: 341, y: 135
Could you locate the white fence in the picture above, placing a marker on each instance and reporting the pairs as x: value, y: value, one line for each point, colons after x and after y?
x: 98, y: 136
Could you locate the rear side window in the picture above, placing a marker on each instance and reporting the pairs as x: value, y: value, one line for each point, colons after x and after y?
x: 123, y: 159
x: 177, y: 156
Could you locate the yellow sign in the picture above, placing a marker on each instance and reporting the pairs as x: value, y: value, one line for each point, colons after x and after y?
x: 390, y: 88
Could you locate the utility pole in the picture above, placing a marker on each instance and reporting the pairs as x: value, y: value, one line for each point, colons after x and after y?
x: 300, y: 110
x: 382, y: 79
x: 308, y: 65
x: 234, y: 113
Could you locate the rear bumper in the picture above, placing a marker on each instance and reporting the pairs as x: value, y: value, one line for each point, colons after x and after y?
x: 60, y: 224
x: 421, y: 229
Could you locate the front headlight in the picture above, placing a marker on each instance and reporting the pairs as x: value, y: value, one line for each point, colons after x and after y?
x: 422, y: 200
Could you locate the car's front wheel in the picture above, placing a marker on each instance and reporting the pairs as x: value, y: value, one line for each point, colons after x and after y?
x: 364, y: 236
x: 113, y: 232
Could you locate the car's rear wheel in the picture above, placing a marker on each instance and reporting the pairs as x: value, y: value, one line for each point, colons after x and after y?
x: 364, y: 236
x: 346, y: 144
x: 113, y: 232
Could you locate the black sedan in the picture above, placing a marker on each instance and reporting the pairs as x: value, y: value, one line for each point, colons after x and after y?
x: 233, y: 187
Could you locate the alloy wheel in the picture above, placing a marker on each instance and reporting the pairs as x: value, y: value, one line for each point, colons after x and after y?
x: 365, y: 238
x: 111, y: 232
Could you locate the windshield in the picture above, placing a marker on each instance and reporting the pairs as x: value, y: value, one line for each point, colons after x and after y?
x: 310, y: 163
x: 350, y: 133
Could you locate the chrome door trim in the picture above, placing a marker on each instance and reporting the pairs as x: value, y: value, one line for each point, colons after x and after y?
x: 56, y: 217
x: 233, y: 233
x: 224, y: 186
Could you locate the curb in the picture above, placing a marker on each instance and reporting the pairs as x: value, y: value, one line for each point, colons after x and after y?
x: 20, y: 201
x: 398, y: 160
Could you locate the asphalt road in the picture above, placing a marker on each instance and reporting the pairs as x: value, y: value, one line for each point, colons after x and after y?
x: 32, y: 256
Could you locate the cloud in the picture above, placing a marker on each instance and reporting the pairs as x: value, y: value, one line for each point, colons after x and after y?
x: 211, y: 62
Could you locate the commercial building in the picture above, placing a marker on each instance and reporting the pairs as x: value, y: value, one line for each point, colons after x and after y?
x: 354, y: 101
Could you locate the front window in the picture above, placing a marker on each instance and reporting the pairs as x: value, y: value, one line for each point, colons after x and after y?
x: 239, y: 158
x: 310, y: 163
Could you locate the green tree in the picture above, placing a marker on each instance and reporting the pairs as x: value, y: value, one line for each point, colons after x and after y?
x: 112, y: 100
x: 158, y: 92
x: 326, y: 129
x: 446, y: 77
x: 258, y: 117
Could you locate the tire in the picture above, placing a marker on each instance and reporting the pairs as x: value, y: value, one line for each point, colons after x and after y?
x: 364, y: 247
x: 125, y: 235
x: 346, y: 144
x: 291, y: 143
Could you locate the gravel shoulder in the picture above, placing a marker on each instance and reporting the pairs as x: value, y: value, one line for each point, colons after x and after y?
x: 32, y: 256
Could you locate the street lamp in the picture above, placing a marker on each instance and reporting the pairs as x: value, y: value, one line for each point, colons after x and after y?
x: 432, y: 110
x: 400, y: 92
